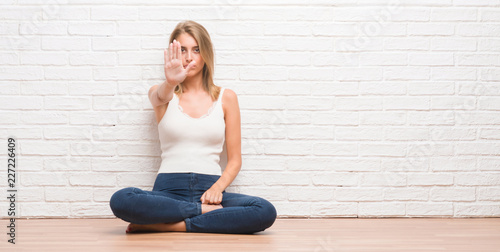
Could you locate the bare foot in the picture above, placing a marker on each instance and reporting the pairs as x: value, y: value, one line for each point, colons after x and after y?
x: 205, y: 208
x: 157, y: 227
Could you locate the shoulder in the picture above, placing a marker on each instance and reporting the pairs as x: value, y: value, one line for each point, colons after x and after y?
x: 229, y: 100
x: 229, y: 97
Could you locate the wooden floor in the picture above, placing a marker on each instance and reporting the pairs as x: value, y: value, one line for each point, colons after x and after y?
x: 340, y: 234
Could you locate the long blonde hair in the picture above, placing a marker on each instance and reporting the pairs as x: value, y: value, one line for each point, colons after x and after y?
x: 200, y: 34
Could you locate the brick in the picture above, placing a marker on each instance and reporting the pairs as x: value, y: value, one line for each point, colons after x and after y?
x: 64, y: 132
x: 476, y: 209
x: 334, y: 209
x: 263, y: 73
x: 406, y: 194
x: 385, y: 179
x: 454, y: 133
x: 453, y: 14
x: 309, y: 103
x: 261, y: 102
x: 358, y: 194
x: 286, y: 179
x: 93, y: 59
x: 66, y: 103
x: 429, y: 209
x: 394, y: 88
x: 477, y: 179
x: 64, y: 194
x: 406, y: 103
x: 431, y: 118
x: 92, y: 28
x: 21, y: 73
x: 382, y: 118
x: 430, y: 179
x: 73, y: 43
x: 66, y: 164
x: 358, y: 133
x: 123, y: 164
x: 335, y: 118
x: 335, y: 179
x: 359, y: 73
x: 57, y: 148
x: 385, y: 150
x: 91, y: 210
x: 452, y: 44
x: 20, y: 102
x: 45, y: 209
x: 88, y: 179
x: 335, y: 149
x: 359, y: 103
x: 310, y: 194
x: 406, y: 73
x: 73, y: 73
x: 489, y: 194
x: 93, y: 149
x: 50, y: 58
x: 135, y: 179
x: 117, y: 102
x: 488, y: 163
x: 453, y: 164
x: 311, y: 132
x: 408, y: 164
x: 137, y: 149
x: 115, y: 43
x: 30, y: 179
x: 453, y: 194
x: 44, y: 117
x: 114, y: 13
x: 44, y: 88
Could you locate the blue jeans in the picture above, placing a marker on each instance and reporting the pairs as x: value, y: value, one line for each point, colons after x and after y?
x: 176, y: 197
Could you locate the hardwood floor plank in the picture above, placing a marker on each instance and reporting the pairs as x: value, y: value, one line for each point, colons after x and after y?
x: 337, y: 234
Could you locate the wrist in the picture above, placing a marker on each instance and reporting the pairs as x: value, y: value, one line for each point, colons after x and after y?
x: 171, y: 84
x: 218, y: 187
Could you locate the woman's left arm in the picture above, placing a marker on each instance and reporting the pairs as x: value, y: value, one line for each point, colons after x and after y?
x: 233, y: 144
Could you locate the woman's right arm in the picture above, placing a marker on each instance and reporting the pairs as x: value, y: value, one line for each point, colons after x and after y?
x: 162, y: 94
x: 174, y: 74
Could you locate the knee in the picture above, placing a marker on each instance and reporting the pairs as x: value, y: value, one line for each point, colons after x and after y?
x: 119, y: 200
x: 269, y: 213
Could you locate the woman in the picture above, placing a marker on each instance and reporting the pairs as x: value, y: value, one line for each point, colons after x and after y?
x: 194, y: 118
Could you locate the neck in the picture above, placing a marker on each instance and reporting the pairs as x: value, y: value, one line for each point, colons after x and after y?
x: 193, y: 84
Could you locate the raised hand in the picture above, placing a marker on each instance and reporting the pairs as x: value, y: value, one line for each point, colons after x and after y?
x: 175, y: 73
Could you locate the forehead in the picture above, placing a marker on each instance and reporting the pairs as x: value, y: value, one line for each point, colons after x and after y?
x: 186, y: 40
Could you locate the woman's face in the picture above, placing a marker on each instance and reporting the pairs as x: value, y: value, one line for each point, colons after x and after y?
x: 190, y: 51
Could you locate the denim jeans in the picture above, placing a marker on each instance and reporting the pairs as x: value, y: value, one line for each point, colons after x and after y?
x: 176, y: 197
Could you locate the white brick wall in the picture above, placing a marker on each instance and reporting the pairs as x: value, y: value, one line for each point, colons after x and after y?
x: 349, y: 108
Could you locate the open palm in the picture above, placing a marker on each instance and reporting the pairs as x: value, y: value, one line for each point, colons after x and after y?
x: 175, y: 73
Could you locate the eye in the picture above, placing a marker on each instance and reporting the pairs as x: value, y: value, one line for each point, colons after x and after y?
x: 197, y: 50
x: 183, y: 50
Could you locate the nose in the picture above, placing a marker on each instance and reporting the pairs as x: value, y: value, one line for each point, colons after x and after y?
x: 188, y: 56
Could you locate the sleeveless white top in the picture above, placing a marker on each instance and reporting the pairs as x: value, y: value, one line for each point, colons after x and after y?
x: 192, y: 144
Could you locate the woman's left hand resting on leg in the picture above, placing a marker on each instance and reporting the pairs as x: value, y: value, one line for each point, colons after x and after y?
x: 212, y: 195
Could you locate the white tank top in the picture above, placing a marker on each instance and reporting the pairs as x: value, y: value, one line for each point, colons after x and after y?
x: 192, y: 144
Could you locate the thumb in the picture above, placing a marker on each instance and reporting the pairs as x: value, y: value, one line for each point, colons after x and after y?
x: 191, y: 65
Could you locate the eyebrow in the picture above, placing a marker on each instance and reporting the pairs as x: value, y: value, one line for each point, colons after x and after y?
x: 193, y: 47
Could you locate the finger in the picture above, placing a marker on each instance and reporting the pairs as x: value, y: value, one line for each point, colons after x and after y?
x: 170, y: 48
x: 165, y: 55
x: 179, y: 53
x: 192, y: 64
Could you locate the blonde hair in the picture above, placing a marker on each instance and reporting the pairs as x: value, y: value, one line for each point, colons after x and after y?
x: 200, y: 34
